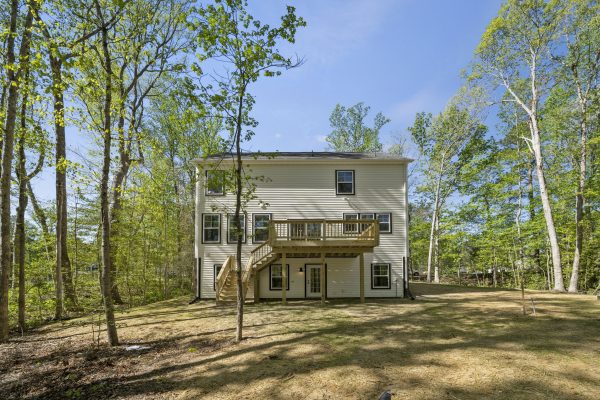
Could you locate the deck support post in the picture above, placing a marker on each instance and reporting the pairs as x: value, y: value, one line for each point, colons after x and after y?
x: 362, y: 277
x: 283, y: 279
x: 323, y: 282
x: 256, y: 287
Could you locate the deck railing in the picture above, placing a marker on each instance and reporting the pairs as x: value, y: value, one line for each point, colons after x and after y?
x: 322, y: 230
x: 226, y: 268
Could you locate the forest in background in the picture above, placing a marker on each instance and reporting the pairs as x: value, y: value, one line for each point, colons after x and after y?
x: 135, y: 78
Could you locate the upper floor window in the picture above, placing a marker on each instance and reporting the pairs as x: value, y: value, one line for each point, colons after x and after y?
x: 260, y: 227
x: 232, y: 234
x: 211, y: 228
x: 385, y: 222
x: 215, y: 183
x: 344, y: 182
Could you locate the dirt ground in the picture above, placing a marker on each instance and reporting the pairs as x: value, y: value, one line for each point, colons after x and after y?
x: 449, y: 343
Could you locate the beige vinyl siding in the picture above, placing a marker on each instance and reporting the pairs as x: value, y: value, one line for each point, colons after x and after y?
x: 307, y: 190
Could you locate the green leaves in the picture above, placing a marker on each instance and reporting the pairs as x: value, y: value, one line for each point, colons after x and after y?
x: 350, y: 132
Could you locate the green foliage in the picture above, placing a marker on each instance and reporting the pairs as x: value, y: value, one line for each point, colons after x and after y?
x: 350, y: 132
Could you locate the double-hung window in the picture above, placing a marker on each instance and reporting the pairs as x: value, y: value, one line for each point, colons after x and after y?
x: 385, y: 222
x: 215, y: 183
x: 260, y: 227
x: 232, y: 233
x: 344, y: 182
x: 211, y: 228
x: 276, y: 277
x: 381, y: 276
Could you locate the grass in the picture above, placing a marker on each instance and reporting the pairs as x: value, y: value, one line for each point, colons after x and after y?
x: 450, y: 343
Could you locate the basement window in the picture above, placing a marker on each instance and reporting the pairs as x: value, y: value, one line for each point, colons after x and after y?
x: 217, y: 269
x: 344, y: 182
x: 276, y: 277
x: 380, y: 276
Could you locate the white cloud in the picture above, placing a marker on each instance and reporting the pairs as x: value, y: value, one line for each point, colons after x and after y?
x: 278, y: 135
x: 321, y: 138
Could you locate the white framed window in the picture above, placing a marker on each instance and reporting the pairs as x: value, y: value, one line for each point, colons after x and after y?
x: 344, y: 182
x: 231, y: 232
x: 215, y: 183
x: 381, y: 276
x: 350, y: 228
x: 385, y: 222
x: 216, y: 270
x: 260, y: 227
x: 276, y: 278
x: 211, y: 228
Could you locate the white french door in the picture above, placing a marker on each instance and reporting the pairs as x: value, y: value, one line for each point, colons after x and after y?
x: 313, y: 280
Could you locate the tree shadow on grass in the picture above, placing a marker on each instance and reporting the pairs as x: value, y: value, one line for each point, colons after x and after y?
x: 285, y: 355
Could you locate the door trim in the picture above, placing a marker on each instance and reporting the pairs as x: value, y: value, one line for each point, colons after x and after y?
x: 323, y: 284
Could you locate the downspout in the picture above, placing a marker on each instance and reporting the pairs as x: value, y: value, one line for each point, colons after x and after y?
x: 406, y: 224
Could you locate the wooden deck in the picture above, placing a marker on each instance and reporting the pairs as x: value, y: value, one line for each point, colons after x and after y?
x: 309, y: 238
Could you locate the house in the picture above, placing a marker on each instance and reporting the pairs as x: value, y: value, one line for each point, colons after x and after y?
x: 338, y: 222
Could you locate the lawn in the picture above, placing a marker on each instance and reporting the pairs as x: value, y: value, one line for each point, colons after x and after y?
x: 449, y: 343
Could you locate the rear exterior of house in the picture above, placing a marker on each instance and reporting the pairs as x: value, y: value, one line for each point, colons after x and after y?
x: 301, y: 216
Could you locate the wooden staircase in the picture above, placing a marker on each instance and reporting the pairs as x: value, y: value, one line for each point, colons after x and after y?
x: 261, y: 257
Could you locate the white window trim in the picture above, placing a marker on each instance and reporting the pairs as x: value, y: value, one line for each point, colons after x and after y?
x: 337, y: 182
x: 389, y: 276
x: 230, y: 226
x: 254, y: 226
x: 271, y: 277
x: 389, y: 214
x: 206, y: 192
x: 204, y: 228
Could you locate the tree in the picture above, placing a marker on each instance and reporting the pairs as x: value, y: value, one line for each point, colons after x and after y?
x: 15, y: 74
x: 350, y: 132
x: 515, y: 54
x: 580, y: 73
x: 61, y: 41
x: 448, y: 142
x: 248, y: 49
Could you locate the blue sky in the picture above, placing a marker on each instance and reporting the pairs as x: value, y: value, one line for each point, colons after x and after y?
x: 399, y: 57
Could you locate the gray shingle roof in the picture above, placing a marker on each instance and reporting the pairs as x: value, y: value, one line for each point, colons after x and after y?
x: 307, y: 155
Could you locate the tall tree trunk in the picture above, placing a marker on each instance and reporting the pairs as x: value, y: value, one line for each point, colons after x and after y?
x: 579, y: 197
x: 14, y: 81
x: 537, y: 257
x: 19, y: 242
x: 547, y: 207
x: 436, y: 252
x: 63, y: 263
x: 238, y: 205
x: 117, y: 191
x: 433, y: 232
x: 111, y: 326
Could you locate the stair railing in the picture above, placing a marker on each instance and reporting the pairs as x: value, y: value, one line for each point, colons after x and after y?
x: 226, y: 268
